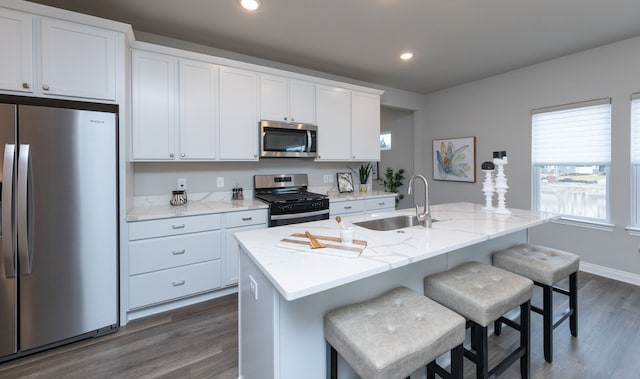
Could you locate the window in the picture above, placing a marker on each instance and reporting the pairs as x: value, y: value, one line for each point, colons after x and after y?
x: 635, y: 156
x: 571, y: 157
x: 385, y: 141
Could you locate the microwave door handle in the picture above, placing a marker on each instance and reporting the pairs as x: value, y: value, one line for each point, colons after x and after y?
x: 8, y: 251
x: 309, y: 141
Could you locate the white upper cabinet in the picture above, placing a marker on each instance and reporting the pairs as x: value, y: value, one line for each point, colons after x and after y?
x: 333, y: 112
x: 365, y: 126
x: 153, y: 106
x: 290, y: 100
x: 238, y: 114
x: 198, y: 94
x: 78, y: 60
x: 16, y: 45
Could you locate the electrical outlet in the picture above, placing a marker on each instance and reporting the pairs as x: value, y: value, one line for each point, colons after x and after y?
x: 182, y: 183
x: 253, y: 287
x: 326, y: 178
x: 330, y: 178
x: 220, y: 181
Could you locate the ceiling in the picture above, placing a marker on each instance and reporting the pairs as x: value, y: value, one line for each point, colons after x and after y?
x: 453, y: 41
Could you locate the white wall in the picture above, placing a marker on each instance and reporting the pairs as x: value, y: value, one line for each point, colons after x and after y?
x: 497, y: 111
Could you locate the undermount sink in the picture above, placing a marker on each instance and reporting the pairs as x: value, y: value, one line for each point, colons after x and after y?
x: 392, y: 223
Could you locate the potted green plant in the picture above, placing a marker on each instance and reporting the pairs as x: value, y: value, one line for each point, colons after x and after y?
x: 392, y: 182
x: 363, y: 175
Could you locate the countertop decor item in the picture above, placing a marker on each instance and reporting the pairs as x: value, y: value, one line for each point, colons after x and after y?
x: 500, y: 160
x: 454, y: 159
x: 488, y: 186
x: 364, y: 171
x: 178, y: 197
x: 345, y: 182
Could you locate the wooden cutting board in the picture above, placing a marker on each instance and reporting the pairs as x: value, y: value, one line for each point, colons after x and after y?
x: 300, y: 240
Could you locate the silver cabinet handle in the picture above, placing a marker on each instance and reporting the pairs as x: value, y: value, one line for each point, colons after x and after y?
x: 181, y: 226
x: 285, y: 118
x: 26, y: 85
x: 178, y: 283
x: 347, y: 207
x: 8, y: 253
x: 382, y: 203
x: 179, y: 252
x: 24, y: 173
x: 247, y: 218
x: 182, y: 155
x: 171, y: 155
x: 255, y: 155
x: 45, y: 87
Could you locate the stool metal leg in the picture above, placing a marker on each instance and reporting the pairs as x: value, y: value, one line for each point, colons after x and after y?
x: 482, y: 352
x: 457, y: 362
x: 333, y: 369
x: 547, y: 317
x: 573, y: 303
x: 525, y: 339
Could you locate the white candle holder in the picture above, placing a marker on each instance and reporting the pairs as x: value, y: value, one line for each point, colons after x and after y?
x: 488, y: 189
x: 501, y: 186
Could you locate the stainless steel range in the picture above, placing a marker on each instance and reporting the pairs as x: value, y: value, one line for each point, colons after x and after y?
x: 288, y: 199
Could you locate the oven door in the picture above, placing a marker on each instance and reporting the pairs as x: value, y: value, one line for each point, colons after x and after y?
x: 296, y: 218
x: 287, y: 140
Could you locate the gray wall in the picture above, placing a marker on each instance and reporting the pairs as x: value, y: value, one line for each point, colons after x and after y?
x: 400, y: 123
x: 497, y: 111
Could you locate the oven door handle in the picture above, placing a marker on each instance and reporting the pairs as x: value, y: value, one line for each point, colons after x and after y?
x: 299, y: 215
x: 309, y: 141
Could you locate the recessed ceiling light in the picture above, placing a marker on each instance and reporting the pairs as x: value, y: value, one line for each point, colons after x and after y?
x: 251, y: 5
x: 406, y: 56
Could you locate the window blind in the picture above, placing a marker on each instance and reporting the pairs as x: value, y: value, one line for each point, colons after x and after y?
x: 635, y: 129
x: 572, y: 135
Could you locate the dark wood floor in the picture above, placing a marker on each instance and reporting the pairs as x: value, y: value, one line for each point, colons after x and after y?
x: 201, y: 342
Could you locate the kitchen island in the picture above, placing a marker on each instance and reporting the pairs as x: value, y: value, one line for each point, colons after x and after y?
x: 286, y: 290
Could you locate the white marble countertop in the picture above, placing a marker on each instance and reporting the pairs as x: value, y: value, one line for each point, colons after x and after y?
x: 158, y: 207
x: 296, y: 273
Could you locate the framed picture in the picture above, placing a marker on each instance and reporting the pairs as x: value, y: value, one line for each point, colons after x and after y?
x: 454, y: 159
x: 345, y: 182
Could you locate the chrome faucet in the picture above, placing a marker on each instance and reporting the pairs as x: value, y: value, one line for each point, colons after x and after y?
x: 425, y: 215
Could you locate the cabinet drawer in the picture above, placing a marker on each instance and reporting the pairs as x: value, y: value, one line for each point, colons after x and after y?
x: 237, y: 219
x: 344, y: 207
x: 382, y: 203
x: 173, y: 226
x: 165, y: 285
x: 162, y: 253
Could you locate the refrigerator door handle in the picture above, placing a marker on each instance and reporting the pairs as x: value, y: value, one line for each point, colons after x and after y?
x: 24, y: 172
x: 8, y: 251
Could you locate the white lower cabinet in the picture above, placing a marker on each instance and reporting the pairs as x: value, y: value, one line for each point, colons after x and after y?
x: 174, y: 258
x: 356, y: 206
x: 238, y: 222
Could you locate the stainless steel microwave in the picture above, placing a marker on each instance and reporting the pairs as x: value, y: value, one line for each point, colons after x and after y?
x: 282, y: 139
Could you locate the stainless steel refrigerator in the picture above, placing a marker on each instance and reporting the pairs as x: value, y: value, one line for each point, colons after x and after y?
x: 59, y: 223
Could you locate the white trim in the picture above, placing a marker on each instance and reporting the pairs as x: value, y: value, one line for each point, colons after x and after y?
x: 610, y: 273
x: 633, y: 231
x: 585, y: 224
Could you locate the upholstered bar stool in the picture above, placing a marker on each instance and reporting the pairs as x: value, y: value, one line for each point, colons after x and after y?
x: 545, y: 266
x: 393, y: 335
x: 482, y: 294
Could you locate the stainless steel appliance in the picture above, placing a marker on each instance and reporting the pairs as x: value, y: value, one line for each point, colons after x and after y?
x: 282, y: 139
x: 288, y: 199
x: 59, y: 223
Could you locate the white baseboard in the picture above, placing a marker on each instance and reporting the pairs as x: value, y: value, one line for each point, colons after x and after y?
x: 610, y: 273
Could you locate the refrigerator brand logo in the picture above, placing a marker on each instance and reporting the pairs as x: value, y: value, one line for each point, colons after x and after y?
x: 97, y: 121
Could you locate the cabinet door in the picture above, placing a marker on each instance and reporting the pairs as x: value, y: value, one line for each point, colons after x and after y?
x: 153, y: 111
x: 273, y: 98
x: 302, y: 102
x: 238, y: 114
x: 365, y: 126
x: 231, y: 253
x: 333, y: 111
x: 198, y: 116
x: 78, y: 60
x: 16, y: 44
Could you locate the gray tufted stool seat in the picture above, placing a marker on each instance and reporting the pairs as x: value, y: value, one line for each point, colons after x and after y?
x: 545, y: 266
x: 482, y: 294
x: 393, y: 335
